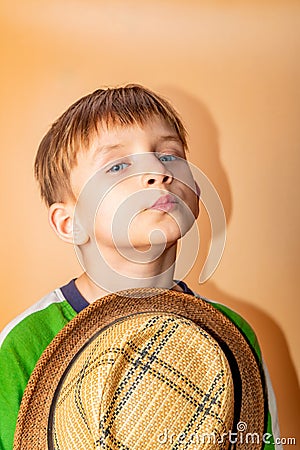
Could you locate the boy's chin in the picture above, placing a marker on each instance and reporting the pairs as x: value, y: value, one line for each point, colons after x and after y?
x: 164, y: 244
x: 141, y: 235
x: 159, y: 228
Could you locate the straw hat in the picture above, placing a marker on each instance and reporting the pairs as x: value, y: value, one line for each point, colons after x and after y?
x: 144, y: 369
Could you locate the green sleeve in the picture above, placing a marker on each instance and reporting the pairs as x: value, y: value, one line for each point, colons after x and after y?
x: 19, y: 354
x: 249, y: 334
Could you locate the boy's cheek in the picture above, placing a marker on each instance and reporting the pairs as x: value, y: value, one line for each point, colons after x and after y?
x: 191, y: 200
x: 182, y: 173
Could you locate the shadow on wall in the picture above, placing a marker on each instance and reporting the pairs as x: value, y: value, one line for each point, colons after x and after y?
x: 205, y: 152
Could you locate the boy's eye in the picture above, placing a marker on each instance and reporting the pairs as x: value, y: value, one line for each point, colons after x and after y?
x: 118, y: 167
x: 166, y: 158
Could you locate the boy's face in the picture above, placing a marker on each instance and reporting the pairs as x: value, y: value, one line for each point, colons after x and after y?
x: 134, y: 187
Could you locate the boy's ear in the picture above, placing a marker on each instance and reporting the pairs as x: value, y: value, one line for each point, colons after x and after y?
x: 61, y: 218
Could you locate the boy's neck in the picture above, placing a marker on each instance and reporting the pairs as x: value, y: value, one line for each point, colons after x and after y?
x: 158, y: 273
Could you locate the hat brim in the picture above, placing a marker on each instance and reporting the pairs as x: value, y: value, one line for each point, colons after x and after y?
x: 32, y: 425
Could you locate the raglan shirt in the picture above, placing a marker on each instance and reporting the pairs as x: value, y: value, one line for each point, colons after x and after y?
x: 25, y: 338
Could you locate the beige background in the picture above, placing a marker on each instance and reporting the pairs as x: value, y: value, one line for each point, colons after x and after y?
x: 232, y: 70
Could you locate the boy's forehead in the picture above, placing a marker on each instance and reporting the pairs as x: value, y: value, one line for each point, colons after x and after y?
x: 114, y: 136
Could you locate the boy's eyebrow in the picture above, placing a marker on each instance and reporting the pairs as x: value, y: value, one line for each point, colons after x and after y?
x: 170, y: 137
x: 104, y: 149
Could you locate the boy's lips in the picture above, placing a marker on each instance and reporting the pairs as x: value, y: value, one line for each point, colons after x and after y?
x: 165, y: 203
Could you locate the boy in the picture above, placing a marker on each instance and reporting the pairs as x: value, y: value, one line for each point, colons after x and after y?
x: 113, y: 173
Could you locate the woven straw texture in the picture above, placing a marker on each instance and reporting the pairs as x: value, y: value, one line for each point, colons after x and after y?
x: 31, y: 432
x: 144, y: 383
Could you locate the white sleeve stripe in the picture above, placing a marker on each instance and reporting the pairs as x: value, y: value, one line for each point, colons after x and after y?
x: 54, y: 297
x: 272, y: 407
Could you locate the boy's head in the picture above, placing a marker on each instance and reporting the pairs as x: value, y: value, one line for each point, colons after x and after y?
x: 114, y: 174
x: 74, y: 130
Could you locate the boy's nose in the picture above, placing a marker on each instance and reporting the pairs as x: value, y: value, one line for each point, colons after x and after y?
x: 157, y: 178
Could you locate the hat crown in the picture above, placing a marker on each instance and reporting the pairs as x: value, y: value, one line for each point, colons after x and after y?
x: 146, y: 380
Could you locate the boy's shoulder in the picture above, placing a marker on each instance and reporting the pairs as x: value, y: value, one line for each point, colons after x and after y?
x: 241, y: 323
x: 48, y: 315
x: 22, y: 342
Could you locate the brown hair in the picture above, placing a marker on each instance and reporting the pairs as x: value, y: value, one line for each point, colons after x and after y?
x: 71, y: 132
